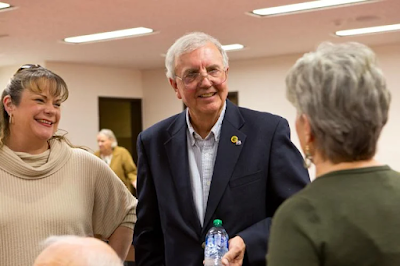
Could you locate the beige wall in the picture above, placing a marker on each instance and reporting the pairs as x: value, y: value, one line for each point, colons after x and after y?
x: 86, y: 84
x: 159, y: 100
x: 389, y: 147
x: 260, y: 83
x: 5, y: 74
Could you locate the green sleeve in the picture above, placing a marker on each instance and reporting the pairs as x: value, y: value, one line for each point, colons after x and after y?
x: 294, y: 235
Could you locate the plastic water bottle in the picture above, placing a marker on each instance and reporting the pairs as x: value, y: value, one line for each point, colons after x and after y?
x: 216, y: 244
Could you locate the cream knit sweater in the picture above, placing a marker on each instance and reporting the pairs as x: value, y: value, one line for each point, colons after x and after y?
x: 74, y: 193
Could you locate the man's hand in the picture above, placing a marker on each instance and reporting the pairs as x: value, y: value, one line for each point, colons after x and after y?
x: 234, y: 257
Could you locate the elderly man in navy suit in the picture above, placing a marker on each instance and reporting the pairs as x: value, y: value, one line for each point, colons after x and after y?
x: 213, y: 160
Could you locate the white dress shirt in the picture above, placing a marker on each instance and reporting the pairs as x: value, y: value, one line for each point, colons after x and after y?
x: 202, y: 154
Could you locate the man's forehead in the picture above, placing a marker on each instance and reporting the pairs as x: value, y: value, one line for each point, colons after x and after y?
x: 204, y: 56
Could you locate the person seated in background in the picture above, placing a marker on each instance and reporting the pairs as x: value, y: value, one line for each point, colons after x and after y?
x: 118, y: 158
x: 76, y: 251
x: 48, y: 187
x: 350, y: 214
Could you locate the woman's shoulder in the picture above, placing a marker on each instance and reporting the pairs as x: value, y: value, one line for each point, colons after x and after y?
x: 85, y: 155
x: 300, y: 202
x: 305, y: 204
x: 87, y: 160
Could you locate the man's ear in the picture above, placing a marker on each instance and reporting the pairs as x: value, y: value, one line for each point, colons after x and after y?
x: 174, y: 85
x: 8, y: 104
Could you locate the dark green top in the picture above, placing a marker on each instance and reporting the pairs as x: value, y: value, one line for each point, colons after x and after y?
x: 343, y: 218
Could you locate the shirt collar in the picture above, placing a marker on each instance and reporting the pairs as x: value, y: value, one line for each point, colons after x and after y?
x: 215, y: 130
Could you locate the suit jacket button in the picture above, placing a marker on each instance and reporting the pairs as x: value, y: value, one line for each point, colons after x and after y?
x: 203, y: 245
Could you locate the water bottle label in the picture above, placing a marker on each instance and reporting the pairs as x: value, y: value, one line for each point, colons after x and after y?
x: 217, y: 241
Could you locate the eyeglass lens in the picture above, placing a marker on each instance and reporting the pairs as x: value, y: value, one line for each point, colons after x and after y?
x: 216, y: 77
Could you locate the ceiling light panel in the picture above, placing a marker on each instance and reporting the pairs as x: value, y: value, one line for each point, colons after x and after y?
x: 4, y: 5
x: 109, y: 35
x: 377, y: 29
x: 231, y: 47
x: 305, y: 6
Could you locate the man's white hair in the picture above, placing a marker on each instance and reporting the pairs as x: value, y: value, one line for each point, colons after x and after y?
x: 87, y: 256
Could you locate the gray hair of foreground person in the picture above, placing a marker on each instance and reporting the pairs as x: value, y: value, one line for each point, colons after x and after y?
x: 76, y: 250
x: 188, y: 43
x: 110, y: 135
x: 342, y: 91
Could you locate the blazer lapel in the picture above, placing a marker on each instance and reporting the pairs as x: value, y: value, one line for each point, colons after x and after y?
x: 176, y: 149
x: 227, y: 156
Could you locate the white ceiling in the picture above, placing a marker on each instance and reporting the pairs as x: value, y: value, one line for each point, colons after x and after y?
x: 32, y: 32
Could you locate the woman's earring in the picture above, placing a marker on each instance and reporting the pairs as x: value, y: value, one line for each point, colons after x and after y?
x: 10, y: 119
x: 308, y: 157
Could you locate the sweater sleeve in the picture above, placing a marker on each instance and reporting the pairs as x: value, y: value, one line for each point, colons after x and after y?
x: 294, y: 238
x: 114, y: 205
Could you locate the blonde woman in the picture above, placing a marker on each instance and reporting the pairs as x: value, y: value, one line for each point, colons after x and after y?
x: 48, y: 187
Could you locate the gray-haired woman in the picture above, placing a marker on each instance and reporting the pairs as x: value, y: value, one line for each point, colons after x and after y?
x: 118, y: 158
x: 350, y: 214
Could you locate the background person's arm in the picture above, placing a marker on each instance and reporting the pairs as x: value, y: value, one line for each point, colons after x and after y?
x: 130, y: 168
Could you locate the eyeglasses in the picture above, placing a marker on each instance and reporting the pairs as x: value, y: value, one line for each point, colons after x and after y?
x: 215, y: 76
x: 27, y: 66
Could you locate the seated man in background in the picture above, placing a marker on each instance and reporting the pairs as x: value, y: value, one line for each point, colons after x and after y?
x: 76, y: 250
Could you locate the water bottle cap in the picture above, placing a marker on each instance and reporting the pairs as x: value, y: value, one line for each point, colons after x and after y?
x: 217, y: 223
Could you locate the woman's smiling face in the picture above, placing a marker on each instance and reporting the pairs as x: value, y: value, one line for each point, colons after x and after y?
x: 37, y: 115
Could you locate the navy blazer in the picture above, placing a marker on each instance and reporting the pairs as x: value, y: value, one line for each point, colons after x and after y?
x: 249, y: 182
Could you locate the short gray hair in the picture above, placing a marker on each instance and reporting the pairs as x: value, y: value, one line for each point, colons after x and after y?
x: 188, y: 43
x: 341, y: 90
x: 110, y: 135
x: 91, y: 257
